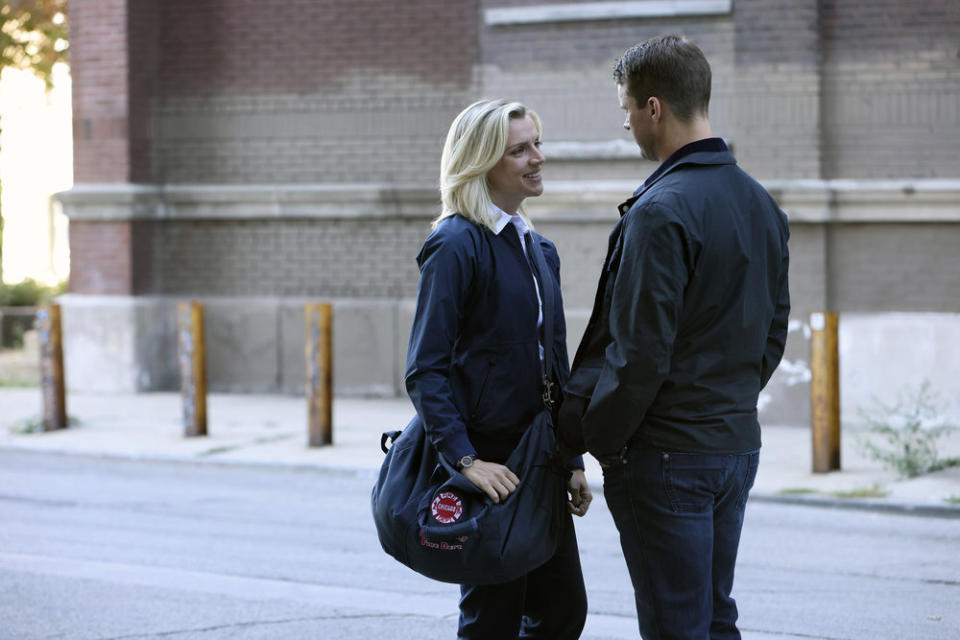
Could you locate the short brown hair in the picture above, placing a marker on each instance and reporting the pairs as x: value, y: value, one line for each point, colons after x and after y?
x: 670, y: 68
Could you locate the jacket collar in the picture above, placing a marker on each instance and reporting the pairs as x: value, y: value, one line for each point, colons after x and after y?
x: 701, y: 152
x: 502, y: 219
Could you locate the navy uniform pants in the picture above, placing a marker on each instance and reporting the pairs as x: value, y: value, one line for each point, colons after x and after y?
x: 679, y: 516
x: 549, y: 603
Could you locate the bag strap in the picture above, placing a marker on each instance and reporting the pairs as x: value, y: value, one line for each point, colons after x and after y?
x: 388, y: 436
x: 549, y: 310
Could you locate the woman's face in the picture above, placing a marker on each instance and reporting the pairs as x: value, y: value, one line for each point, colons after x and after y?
x: 517, y: 175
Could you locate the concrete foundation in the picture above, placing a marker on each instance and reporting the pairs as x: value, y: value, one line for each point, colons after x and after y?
x: 867, y: 249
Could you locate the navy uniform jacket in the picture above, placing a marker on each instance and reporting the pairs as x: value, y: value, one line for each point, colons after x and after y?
x: 473, y: 363
x: 690, y: 318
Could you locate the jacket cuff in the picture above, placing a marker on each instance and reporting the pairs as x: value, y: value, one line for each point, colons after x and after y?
x: 576, y: 463
x: 456, y: 446
x: 609, y: 460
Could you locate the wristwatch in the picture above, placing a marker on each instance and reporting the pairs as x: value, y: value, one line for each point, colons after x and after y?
x: 465, y: 461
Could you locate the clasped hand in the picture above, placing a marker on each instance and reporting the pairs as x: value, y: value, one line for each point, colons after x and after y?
x: 498, y: 482
x: 495, y: 480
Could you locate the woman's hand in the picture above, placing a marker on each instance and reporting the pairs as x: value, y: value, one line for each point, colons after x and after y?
x: 495, y: 480
x: 580, y: 495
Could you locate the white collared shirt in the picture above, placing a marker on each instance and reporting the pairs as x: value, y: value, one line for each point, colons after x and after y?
x: 502, y: 220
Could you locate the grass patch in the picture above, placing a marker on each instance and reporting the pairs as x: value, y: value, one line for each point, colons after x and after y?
x: 946, y: 463
x: 796, y: 491
x: 34, y: 424
x: 27, y: 426
x: 17, y: 382
x: 866, y: 492
x: 213, y: 451
x: 952, y: 499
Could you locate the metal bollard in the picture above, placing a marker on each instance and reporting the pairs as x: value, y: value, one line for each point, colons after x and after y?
x: 319, y: 383
x: 50, y: 332
x: 825, y: 392
x: 192, y: 357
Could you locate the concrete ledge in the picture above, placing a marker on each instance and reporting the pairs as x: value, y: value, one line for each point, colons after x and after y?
x: 806, y: 201
x: 582, y: 11
x: 103, y: 202
x: 868, y: 200
x: 566, y: 150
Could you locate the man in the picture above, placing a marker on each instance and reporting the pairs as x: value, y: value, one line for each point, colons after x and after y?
x: 689, y: 322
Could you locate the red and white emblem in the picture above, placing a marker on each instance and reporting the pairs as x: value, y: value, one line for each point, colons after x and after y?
x: 447, y: 507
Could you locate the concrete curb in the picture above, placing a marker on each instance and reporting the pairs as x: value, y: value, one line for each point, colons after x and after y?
x: 823, y: 502
x: 863, y: 504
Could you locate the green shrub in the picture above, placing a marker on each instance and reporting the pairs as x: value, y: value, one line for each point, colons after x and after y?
x: 911, y: 428
x: 28, y: 293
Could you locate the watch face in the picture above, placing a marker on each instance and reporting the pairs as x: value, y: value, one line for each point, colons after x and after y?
x: 466, y: 461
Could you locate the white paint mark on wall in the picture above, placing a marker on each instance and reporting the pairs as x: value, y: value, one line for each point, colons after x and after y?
x: 799, y: 325
x: 763, y: 400
x: 794, y: 372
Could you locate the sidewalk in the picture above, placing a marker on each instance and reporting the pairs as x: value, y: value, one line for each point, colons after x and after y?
x: 271, y: 430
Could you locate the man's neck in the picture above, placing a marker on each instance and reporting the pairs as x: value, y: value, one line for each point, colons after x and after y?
x: 679, y: 134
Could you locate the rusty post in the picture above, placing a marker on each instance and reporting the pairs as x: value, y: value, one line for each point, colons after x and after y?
x: 825, y: 392
x: 192, y: 356
x: 50, y: 332
x: 319, y: 383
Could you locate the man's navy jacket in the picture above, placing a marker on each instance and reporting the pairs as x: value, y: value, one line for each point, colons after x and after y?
x: 473, y: 363
x: 690, y: 318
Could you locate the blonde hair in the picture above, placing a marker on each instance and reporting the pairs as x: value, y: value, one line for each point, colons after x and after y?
x: 475, y: 143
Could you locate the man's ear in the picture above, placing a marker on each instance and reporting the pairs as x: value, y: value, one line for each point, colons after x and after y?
x: 654, y: 108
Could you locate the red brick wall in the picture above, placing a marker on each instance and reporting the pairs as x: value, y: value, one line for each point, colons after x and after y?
x: 100, y: 258
x: 98, y: 50
x: 891, y: 78
x: 353, y: 91
x: 301, y: 46
x: 329, y: 258
x: 143, y: 27
x: 777, y: 89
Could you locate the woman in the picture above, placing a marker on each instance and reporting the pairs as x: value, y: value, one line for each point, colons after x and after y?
x: 474, y: 362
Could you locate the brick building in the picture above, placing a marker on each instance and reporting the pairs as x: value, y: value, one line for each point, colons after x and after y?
x: 256, y: 155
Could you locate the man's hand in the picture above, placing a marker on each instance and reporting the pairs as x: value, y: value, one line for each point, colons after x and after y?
x: 580, y: 495
x: 495, y: 480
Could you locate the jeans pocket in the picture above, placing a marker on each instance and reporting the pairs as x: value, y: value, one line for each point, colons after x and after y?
x: 691, y: 482
x: 752, y: 462
x: 615, y: 479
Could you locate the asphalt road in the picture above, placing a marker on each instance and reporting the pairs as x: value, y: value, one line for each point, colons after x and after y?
x: 106, y: 549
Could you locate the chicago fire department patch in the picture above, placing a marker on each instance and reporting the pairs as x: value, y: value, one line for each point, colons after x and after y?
x: 447, y: 507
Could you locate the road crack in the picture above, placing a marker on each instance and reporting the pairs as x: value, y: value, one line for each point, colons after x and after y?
x: 256, y: 623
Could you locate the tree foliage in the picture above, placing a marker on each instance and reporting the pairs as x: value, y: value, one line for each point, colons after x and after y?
x: 33, y: 35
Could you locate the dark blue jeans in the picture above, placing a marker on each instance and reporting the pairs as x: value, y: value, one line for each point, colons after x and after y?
x: 679, y: 516
x: 549, y: 603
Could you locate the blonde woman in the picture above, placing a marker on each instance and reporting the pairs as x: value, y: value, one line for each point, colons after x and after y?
x: 475, y: 355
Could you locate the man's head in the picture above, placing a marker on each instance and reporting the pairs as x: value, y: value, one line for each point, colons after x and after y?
x: 664, y: 76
